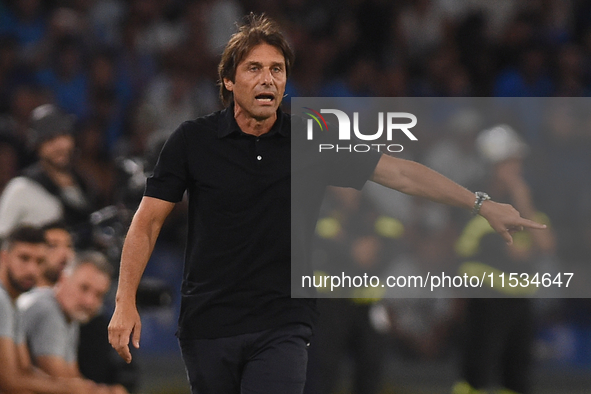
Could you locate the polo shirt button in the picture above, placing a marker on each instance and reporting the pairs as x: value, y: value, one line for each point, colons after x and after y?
x: 259, y: 157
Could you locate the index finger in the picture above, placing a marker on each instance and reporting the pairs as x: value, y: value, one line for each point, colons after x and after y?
x: 124, y: 352
x: 119, y: 340
x: 122, y: 348
x: 531, y: 224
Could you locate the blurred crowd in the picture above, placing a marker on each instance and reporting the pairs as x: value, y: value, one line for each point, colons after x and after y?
x: 130, y: 71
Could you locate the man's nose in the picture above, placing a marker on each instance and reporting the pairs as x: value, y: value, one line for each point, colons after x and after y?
x: 33, y: 269
x: 267, y: 77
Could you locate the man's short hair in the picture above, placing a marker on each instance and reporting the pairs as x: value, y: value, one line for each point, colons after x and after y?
x: 256, y: 30
x: 97, y: 259
x: 55, y: 225
x: 48, y: 122
x: 24, y: 234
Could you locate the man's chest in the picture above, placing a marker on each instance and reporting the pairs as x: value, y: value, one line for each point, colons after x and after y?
x: 238, y: 170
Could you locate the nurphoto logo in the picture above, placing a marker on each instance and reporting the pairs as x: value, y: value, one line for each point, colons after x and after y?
x: 344, y: 133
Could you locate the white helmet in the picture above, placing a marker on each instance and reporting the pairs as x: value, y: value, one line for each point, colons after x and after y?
x: 500, y: 143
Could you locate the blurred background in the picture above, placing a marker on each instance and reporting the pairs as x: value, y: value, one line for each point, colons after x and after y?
x: 132, y: 70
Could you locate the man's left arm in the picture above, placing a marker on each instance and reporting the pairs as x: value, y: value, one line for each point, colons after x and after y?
x: 57, y: 366
x: 53, y: 345
x: 415, y: 179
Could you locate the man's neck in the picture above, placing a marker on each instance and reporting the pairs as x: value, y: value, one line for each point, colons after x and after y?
x: 253, y: 126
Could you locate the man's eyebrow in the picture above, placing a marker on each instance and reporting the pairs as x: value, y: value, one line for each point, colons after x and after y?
x: 253, y: 63
x: 257, y: 63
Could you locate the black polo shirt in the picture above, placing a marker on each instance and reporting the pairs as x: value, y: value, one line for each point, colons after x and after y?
x: 237, y: 262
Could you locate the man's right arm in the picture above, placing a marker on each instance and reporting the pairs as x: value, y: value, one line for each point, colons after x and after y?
x: 138, y: 246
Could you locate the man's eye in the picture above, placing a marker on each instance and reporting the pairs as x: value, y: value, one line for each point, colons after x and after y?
x: 253, y: 68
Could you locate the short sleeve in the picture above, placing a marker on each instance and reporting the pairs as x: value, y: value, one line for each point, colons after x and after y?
x: 46, y: 331
x: 74, y: 341
x: 348, y: 165
x: 337, y: 163
x: 7, y: 318
x: 354, y: 169
x: 169, y: 180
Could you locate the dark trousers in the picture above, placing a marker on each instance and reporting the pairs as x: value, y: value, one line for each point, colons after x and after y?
x: 344, y: 329
x: 499, y: 335
x: 267, y: 362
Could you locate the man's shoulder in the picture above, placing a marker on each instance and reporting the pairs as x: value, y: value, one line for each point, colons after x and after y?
x: 20, y: 183
x: 294, y: 119
x: 210, y: 121
x: 32, y: 183
x: 37, y: 301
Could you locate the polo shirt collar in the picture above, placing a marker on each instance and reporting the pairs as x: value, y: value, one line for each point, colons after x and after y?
x: 228, y: 124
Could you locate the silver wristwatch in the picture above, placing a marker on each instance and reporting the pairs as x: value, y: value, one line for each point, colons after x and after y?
x: 480, y: 198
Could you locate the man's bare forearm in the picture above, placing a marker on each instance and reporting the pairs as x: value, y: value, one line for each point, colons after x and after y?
x: 139, y: 244
x: 35, y: 383
x: 415, y: 179
x: 137, y: 249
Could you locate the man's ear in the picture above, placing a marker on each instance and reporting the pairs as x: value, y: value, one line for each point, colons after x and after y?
x: 229, y: 85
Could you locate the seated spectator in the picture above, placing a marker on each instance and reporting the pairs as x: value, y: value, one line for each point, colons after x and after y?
x: 51, y: 316
x: 23, y: 252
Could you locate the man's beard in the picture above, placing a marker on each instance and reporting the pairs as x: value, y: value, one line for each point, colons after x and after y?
x: 82, y: 317
x: 17, y: 285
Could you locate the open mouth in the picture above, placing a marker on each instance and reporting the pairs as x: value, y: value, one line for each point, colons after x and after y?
x: 265, y: 97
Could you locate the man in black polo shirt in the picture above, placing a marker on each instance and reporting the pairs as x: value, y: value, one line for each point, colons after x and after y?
x: 239, y: 329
